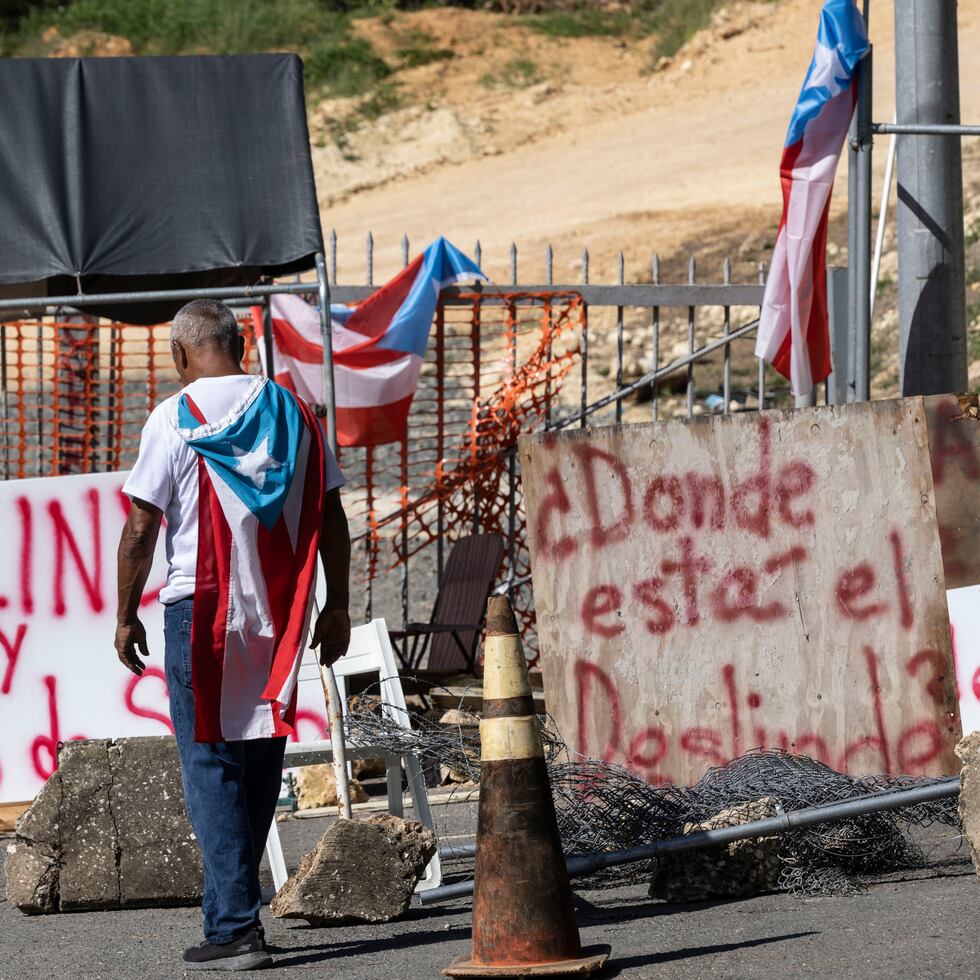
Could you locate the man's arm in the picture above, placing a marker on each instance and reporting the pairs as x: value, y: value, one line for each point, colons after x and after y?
x: 136, y: 546
x: 332, y: 630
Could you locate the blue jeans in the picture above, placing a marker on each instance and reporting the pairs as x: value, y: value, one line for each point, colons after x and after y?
x: 230, y: 791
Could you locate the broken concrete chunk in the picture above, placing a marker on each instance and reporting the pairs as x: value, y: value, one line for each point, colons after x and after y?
x: 89, y: 841
x: 316, y: 786
x: 159, y: 858
x: 746, y: 867
x: 108, y: 830
x: 360, y: 871
x: 32, y: 877
x: 968, y: 752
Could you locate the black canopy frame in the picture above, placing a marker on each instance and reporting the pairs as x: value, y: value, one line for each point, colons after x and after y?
x: 129, y: 186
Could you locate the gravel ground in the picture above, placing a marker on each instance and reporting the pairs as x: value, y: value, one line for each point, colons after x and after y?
x: 922, y: 924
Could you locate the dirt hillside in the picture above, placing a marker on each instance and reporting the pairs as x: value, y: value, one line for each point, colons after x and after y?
x: 582, y: 141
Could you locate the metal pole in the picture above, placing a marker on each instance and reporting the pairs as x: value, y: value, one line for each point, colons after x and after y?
x: 267, y: 339
x: 859, y: 237
x: 330, y: 689
x: 329, y: 398
x: 931, y: 288
x: 882, y: 215
x: 927, y: 129
x: 584, y: 864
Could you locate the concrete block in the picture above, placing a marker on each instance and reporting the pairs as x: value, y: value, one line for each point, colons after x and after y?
x: 968, y: 752
x: 360, y: 871
x: 108, y: 830
x: 747, y: 867
x: 159, y: 858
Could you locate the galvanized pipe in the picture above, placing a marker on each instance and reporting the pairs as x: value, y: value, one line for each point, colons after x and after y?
x: 926, y: 129
x: 584, y: 864
x: 326, y: 337
x: 80, y: 300
x: 931, y: 282
x: 880, y: 235
x: 859, y: 234
x: 634, y: 294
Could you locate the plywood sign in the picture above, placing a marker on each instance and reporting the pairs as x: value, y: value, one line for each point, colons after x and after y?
x: 954, y: 446
x: 704, y: 588
x: 59, y: 675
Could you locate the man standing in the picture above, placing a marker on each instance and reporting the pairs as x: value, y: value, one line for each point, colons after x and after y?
x: 251, y: 495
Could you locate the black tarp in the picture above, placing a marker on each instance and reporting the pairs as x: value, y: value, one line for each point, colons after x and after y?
x: 121, y: 174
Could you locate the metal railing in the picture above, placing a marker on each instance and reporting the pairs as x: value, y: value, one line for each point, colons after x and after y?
x: 645, y: 350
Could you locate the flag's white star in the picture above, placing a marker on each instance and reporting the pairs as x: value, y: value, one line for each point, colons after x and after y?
x: 828, y: 72
x: 254, y: 465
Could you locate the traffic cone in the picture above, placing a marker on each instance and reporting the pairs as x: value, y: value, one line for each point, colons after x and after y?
x: 523, y: 921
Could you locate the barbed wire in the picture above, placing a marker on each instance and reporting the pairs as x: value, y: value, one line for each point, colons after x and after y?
x: 601, y: 806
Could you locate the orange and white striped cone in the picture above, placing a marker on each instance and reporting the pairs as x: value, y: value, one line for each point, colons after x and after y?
x: 523, y: 920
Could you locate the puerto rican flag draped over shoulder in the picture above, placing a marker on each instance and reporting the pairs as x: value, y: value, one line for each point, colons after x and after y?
x: 793, y: 331
x: 261, y: 484
x: 378, y: 346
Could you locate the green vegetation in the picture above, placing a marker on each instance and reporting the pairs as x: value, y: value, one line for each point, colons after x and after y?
x: 181, y: 26
x: 319, y: 30
x: 346, y: 67
x: 972, y: 232
x: 516, y: 73
x: 670, y: 22
x: 584, y: 23
x: 338, y: 62
x: 417, y: 48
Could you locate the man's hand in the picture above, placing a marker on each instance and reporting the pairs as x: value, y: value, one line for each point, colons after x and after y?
x: 129, y: 636
x: 332, y: 635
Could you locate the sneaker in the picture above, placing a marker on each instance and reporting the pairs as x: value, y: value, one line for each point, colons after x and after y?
x: 248, y: 952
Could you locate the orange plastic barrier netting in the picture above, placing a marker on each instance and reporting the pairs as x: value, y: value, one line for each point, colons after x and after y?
x: 75, y: 392
x: 495, y: 369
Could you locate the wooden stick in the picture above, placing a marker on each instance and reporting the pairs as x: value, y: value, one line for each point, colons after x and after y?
x: 335, y: 711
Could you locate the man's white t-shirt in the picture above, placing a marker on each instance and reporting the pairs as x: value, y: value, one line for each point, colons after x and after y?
x: 165, y: 474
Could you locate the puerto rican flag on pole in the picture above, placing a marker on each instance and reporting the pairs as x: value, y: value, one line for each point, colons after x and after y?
x: 793, y: 331
x: 261, y: 481
x: 378, y: 346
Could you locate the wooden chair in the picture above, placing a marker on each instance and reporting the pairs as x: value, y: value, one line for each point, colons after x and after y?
x: 453, y: 632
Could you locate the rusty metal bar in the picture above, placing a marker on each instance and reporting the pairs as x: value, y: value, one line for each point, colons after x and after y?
x: 440, y: 431
x: 369, y: 543
x: 404, y: 530
x: 584, y: 343
x: 691, y: 275
x: 762, y: 363
x: 5, y: 402
x: 655, y: 390
x: 726, y: 275
x: 39, y: 407
x: 621, y: 275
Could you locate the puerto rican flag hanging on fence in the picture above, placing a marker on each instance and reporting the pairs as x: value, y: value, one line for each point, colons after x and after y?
x: 378, y: 346
x: 261, y: 483
x: 793, y: 332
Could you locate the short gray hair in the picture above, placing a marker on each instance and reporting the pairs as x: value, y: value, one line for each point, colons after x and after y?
x: 206, y: 323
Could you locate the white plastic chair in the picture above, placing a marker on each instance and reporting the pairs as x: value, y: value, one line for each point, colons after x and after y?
x: 369, y: 653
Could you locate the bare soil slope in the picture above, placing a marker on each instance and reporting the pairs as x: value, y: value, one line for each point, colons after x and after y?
x: 528, y: 138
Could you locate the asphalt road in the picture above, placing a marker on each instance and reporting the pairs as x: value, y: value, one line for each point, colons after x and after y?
x: 924, y: 924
